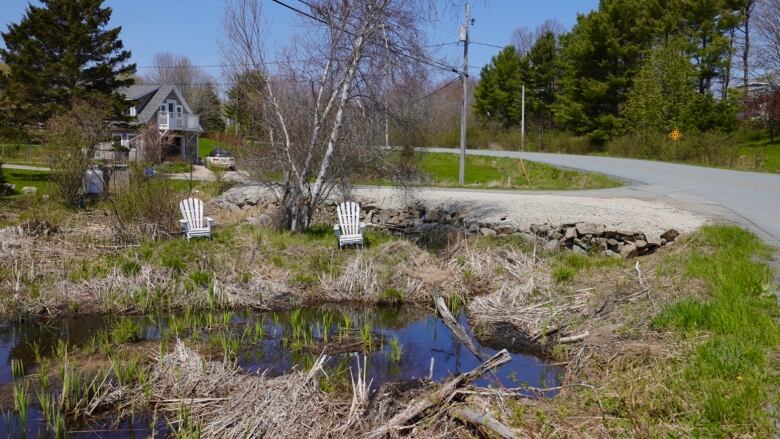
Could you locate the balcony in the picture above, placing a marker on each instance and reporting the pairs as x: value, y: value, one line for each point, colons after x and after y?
x: 178, y: 121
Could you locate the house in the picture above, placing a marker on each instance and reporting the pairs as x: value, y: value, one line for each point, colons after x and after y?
x: 162, y: 109
x: 753, y: 88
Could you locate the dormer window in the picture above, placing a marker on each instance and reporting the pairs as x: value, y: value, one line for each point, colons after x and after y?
x: 132, y: 112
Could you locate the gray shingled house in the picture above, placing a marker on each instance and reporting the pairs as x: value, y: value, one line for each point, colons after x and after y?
x: 163, y: 107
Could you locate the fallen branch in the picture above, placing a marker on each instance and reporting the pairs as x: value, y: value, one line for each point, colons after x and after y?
x: 440, y: 396
x: 573, y: 338
x: 484, y: 420
x: 455, y: 327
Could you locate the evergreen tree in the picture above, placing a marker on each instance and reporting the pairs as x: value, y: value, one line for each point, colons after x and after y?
x: 60, y: 51
x: 209, y: 107
x: 498, y: 94
x: 708, y: 25
x: 662, y: 90
x: 244, y: 107
x: 601, y: 55
x: 543, y: 76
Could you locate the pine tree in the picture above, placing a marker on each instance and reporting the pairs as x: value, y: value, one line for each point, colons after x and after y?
x: 59, y: 51
x: 602, y: 54
x: 209, y: 107
x: 498, y: 94
x: 543, y: 76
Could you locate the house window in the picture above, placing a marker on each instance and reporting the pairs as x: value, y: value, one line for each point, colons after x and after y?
x: 132, y: 112
x: 171, y: 106
x: 179, y: 109
x: 162, y: 107
x: 116, y: 140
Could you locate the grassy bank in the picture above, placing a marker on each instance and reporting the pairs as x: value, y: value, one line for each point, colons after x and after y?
x: 505, y: 173
x: 694, y: 353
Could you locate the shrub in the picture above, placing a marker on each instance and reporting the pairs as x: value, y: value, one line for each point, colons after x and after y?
x: 73, y: 138
x: 558, y: 141
x: 706, y: 148
x: 147, y: 209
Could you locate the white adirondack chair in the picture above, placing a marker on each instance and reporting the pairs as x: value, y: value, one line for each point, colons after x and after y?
x: 193, y: 222
x: 349, y: 230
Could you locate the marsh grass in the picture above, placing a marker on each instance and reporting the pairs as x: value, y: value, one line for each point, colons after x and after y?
x: 126, y: 330
x: 396, y: 349
x: 21, y: 403
x: 567, y: 265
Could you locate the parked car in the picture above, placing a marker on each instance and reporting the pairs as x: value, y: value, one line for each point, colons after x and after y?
x: 219, y: 158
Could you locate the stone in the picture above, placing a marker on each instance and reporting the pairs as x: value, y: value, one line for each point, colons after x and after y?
x: 586, y: 228
x: 263, y: 219
x: 571, y: 233
x: 540, y: 229
x: 581, y: 244
x: 487, y: 232
x: 628, y: 251
x: 612, y: 254
x: 551, y: 245
x: 670, y: 235
x: 29, y: 190
x: 579, y: 250
x: 640, y: 244
x: 654, y: 241
x: 504, y: 229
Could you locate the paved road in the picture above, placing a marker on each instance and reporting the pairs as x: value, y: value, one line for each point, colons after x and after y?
x: 751, y: 198
x: 25, y: 167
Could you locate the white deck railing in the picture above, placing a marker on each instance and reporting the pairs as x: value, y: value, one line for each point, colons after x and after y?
x: 177, y: 121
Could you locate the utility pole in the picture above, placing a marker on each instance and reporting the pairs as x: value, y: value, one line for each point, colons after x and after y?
x: 522, y: 122
x: 464, y: 37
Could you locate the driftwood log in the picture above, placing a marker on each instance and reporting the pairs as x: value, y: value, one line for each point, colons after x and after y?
x: 440, y: 396
x: 574, y: 338
x: 484, y: 420
x: 457, y: 330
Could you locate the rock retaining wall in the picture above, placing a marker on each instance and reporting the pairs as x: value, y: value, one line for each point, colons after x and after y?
x: 420, y: 220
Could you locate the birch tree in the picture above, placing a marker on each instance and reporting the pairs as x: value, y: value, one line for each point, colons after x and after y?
x: 318, y: 107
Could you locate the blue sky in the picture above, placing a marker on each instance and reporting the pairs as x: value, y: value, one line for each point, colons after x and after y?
x: 193, y: 27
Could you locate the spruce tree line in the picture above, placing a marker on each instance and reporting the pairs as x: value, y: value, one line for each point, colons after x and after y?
x: 627, y: 65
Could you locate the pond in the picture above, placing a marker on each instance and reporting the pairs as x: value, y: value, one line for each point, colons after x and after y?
x: 395, y: 342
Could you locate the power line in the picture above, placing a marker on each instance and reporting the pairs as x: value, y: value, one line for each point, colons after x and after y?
x: 311, y: 60
x: 429, y: 62
x: 452, y: 43
x: 434, y: 91
x: 489, y: 44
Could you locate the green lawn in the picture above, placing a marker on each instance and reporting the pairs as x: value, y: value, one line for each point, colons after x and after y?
x: 20, y: 178
x: 441, y: 169
x: 761, y: 155
x: 206, y: 145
